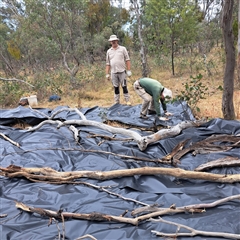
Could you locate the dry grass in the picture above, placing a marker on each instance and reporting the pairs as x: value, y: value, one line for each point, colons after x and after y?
x: 99, y: 92
x: 103, y: 97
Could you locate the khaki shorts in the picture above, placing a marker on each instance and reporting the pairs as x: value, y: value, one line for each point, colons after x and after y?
x: 119, y: 79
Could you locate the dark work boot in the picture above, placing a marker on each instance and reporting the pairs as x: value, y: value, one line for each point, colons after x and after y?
x: 143, y: 116
x: 151, y: 112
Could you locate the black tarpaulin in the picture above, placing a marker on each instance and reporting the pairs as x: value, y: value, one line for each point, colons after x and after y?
x: 56, y: 148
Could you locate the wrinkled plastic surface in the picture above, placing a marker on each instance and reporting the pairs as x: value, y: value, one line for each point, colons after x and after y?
x: 52, y: 147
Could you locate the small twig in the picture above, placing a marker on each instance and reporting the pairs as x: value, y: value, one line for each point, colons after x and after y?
x: 75, y: 133
x: 56, y: 222
x: 193, y: 232
x: 9, y: 140
x: 41, y: 113
x: 69, y: 110
x: 93, y: 151
x: 86, y: 236
x: 63, y: 227
x: 110, y: 138
x: 15, y: 79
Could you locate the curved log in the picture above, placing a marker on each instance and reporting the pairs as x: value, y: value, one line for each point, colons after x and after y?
x: 142, y: 142
x: 51, y: 176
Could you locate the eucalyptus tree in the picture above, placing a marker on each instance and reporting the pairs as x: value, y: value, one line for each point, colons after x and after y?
x: 170, y: 23
x: 238, y: 44
x: 228, y: 81
x: 10, y: 52
x: 60, y: 25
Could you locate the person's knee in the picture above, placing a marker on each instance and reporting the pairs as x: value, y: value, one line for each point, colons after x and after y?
x: 125, y: 90
x: 116, y: 90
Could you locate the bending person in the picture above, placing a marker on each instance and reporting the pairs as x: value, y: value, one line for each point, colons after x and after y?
x: 152, y: 92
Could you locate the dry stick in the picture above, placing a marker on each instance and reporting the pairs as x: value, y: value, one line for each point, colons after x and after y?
x: 56, y: 222
x: 110, y: 138
x: 69, y: 110
x: 39, y: 112
x: 63, y: 227
x: 86, y: 236
x: 188, y: 208
x: 104, y: 217
x: 100, y: 188
x: 9, y: 140
x: 193, y: 232
x: 50, y: 175
x: 222, y: 162
x: 93, y: 151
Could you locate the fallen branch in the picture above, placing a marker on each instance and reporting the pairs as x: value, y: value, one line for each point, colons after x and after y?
x: 192, y: 233
x: 52, y: 176
x: 209, y: 145
x: 142, y: 142
x: 95, y: 216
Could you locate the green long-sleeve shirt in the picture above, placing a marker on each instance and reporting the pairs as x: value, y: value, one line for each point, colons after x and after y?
x: 154, y: 88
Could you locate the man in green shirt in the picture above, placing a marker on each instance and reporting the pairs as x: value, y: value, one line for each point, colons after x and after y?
x: 152, y: 92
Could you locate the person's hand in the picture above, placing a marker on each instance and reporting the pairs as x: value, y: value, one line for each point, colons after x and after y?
x: 163, y: 118
x: 107, y: 76
x: 167, y: 113
x: 129, y: 73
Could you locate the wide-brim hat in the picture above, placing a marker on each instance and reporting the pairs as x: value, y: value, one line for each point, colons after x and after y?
x: 167, y: 93
x: 113, y: 38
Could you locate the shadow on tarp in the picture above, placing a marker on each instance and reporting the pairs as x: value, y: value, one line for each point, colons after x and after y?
x: 56, y: 148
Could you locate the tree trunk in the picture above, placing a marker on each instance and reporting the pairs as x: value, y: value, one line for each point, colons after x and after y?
x: 228, y: 81
x: 172, y: 55
x: 145, y: 70
x: 238, y: 66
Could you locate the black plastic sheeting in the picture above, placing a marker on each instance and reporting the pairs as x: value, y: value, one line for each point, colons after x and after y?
x: 56, y: 148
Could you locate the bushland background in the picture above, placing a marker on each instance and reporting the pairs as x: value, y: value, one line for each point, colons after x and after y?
x: 59, y: 47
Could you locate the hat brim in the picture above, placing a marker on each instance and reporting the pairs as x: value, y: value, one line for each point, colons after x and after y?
x: 113, y: 39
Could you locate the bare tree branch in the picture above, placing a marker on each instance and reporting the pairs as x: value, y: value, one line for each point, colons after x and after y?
x: 15, y: 79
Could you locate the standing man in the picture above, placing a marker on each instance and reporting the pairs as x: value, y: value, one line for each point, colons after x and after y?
x: 152, y: 92
x: 118, y: 66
